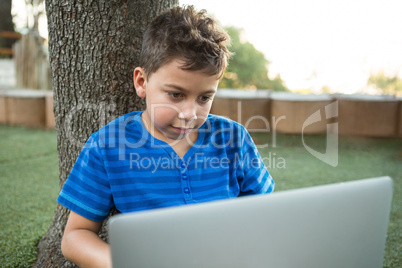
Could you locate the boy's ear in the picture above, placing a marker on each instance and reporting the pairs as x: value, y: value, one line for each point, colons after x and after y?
x: 140, y: 82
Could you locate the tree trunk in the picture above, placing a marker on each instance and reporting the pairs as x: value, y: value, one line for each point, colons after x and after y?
x: 94, y: 47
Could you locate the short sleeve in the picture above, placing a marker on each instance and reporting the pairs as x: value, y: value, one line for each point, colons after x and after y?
x: 253, y: 175
x: 87, y: 189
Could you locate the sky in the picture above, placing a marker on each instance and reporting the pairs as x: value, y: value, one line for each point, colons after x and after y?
x: 312, y: 43
x: 317, y: 43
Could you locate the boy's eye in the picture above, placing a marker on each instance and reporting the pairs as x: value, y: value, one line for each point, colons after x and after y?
x: 204, y: 98
x: 175, y: 95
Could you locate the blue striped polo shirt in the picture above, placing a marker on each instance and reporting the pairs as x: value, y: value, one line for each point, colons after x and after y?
x: 123, y: 166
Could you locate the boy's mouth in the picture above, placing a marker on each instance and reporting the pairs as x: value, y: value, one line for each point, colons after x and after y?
x: 182, y: 130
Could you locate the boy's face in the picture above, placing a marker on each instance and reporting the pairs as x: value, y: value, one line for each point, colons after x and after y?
x: 178, y: 101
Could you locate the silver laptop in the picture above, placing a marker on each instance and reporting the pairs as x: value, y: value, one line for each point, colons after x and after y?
x: 338, y: 225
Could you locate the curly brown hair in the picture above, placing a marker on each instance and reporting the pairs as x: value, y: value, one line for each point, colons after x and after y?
x: 188, y: 35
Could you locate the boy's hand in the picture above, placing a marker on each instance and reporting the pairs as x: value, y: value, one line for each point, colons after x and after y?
x: 82, y: 245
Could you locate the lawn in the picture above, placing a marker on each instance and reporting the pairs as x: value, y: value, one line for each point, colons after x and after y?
x: 29, y: 181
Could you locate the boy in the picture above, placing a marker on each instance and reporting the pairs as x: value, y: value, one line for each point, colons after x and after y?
x: 174, y: 152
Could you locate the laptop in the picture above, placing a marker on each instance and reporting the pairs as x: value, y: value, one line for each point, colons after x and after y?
x: 336, y: 225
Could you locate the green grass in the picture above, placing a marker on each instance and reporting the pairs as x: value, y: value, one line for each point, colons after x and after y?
x: 29, y: 181
x: 28, y: 191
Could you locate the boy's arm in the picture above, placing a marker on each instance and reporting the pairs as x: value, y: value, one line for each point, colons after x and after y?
x: 82, y: 245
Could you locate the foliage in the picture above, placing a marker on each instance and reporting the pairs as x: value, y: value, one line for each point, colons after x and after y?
x: 387, y: 84
x: 248, y: 67
x: 35, y: 9
x: 29, y: 181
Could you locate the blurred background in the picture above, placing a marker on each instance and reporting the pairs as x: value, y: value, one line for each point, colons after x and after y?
x: 291, y: 58
x: 310, y: 46
x: 321, y: 45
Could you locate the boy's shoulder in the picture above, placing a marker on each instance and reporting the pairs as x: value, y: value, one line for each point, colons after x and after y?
x: 131, y: 119
x: 218, y: 121
x: 122, y: 125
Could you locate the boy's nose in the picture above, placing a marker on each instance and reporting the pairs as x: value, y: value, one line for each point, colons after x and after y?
x: 188, y: 112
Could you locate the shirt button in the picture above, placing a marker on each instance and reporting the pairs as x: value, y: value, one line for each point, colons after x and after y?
x: 183, y: 165
x: 186, y: 190
x: 184, y: 177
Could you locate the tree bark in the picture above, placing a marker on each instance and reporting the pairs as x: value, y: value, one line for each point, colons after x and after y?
x: 94, y: 47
